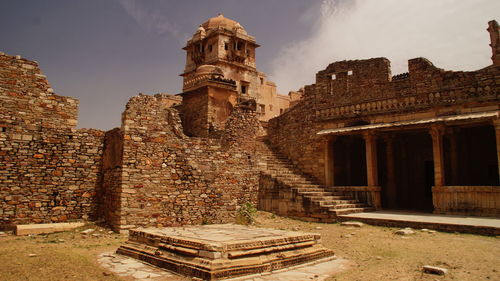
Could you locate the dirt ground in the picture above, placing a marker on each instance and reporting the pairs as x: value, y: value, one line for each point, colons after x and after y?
x: 376, y: 253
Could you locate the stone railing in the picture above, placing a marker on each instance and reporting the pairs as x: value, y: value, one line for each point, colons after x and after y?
x: 369, y: 195
x: 410, y: 102
x: 467, y: 200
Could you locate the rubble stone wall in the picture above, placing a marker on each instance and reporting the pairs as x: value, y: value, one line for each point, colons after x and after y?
x: 350, y: 93
x: 27, y: 100
x: 49, y: 176
x: 294, y: 134
x: 49, y: 171
x: 170, y: 179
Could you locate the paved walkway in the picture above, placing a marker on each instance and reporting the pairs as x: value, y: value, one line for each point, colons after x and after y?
x: 453, y: 223
x: 132, y: 269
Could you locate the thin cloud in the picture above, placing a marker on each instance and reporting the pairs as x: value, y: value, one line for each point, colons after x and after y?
x: 151, y: 20
x: 451, y: 33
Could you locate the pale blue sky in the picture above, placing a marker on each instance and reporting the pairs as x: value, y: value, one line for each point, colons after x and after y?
x: 105, y: 51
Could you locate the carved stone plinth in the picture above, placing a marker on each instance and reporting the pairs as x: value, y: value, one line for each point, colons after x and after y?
x: 213, y: 252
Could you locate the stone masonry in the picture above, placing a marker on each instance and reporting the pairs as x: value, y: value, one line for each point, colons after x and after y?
x: 146, y: 173
x: 49, y: 170
x: 343, y: 147
x: 426, y: 140
x: 164, y: 178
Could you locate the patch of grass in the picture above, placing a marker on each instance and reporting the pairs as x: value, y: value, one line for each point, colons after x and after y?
x: 376, y: 252
x: 58, y: 256
x: 379, y: 254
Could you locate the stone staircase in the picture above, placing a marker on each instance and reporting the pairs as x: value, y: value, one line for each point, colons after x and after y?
x: 282, y: 170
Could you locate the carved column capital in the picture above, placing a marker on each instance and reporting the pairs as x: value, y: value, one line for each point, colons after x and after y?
x: 369, y: 135
x: 437, y: 130
x: 496, y: 123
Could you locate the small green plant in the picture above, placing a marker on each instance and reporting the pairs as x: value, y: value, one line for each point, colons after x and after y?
x: 246, y: 214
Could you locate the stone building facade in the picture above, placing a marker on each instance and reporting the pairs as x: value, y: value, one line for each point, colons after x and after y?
x: 146, y: 173
x: 357, y: 139
x: 425, y: 140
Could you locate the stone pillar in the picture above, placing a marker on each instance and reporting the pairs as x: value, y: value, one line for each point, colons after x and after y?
x: 496, y: 123
x: 391, y: 173
x: 329, y: 161
x: 437, y: 132
x: 371, y: 159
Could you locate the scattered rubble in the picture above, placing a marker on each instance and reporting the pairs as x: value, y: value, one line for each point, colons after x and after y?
x: 405, y: 231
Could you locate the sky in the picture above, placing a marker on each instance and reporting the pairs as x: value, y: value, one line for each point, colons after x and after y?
x: 105, y: 51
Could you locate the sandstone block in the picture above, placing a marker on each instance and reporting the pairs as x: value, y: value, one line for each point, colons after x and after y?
x: 46, y: 228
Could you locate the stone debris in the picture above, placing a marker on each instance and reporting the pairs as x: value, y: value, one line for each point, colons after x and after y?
x: 32, y: 255
x: 352, y: 223
x: 427, y: 230
x: 405, y: 231
x: 434, y: 270
x: 88, y: 231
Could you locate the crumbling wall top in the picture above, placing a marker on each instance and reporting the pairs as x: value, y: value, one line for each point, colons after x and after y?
x: 27, y: 100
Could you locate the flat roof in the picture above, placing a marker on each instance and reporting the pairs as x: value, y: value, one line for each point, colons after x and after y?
x: 478, y: 115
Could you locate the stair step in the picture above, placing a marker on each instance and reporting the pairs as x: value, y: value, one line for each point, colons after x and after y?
x: 278, y: 166
x: 339, y: 212
x: 348, y: 206
x: 305, y: 189
x: 318, y: 195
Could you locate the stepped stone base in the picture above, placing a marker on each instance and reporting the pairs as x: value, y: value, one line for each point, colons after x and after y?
x: 214, y: 252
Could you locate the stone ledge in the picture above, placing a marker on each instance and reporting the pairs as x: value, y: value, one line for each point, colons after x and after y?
x: 27, y: 229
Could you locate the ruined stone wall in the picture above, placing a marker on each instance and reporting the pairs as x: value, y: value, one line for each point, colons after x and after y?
x: 170, y: 179
x: 294, y: 134
x: 109, y: 192
x: 28, y: 102
x: 49, y: 176
x: 194, y: 112
x: 371, y: 93
x: 350, y: 93
x: 49, y: 171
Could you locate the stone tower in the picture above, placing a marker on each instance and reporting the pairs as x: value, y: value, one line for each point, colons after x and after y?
x: 224, y: 43
x: 223, y: 46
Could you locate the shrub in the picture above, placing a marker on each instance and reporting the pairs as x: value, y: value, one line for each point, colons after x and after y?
x: 246, y: 214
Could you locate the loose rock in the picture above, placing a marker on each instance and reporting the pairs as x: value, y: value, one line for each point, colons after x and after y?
x: 352, y: 223
x: 434, y: 270
x: 88, y: 231
x: 405, y: 231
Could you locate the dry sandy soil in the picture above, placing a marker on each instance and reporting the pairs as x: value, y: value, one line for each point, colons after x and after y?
x: 376, y: 253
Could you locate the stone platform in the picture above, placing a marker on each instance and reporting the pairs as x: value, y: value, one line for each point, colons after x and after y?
x: 214, y: 252
x: 448, y: 223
